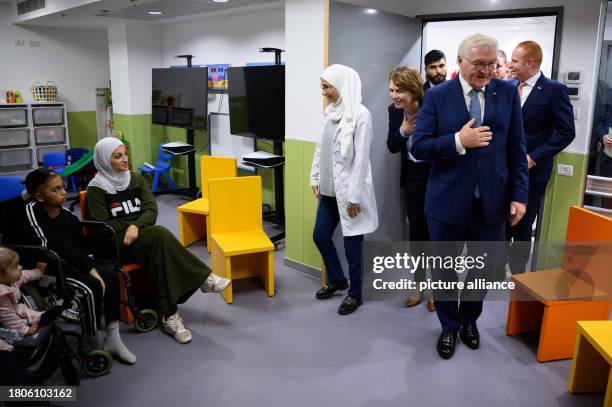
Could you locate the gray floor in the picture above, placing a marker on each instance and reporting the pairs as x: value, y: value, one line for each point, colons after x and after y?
x: 292, y: 350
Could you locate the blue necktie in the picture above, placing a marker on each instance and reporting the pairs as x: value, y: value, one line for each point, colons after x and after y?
x: 475, y: 113
x: 475, y: 109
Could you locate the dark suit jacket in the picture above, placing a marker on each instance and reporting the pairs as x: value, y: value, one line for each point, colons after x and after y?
x: 427, y: 85
x: 500, y: 169
x: 548, y: 120
x: 395, y: 142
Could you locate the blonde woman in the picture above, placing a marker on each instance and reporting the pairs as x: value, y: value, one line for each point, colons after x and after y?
x: 406, y: 93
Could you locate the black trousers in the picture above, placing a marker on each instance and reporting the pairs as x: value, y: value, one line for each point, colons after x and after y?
x: 88, y: 290
x: 519, y: 250
x: 454, y: 307
x: 415, y: 186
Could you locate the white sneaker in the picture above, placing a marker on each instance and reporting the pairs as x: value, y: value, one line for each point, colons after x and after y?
x: 215, y: 284
x: 174, y: 326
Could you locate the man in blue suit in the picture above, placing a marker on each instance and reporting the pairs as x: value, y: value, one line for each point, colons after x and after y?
x: 471, y: 130
x: 548, y: 122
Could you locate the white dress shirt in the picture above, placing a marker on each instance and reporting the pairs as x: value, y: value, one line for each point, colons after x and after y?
x: 467, y: 88
x: 528, y: 87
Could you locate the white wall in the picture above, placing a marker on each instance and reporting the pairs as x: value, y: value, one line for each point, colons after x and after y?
x: 446, y: 36
x: 134, y: 49
x: 305, y: 30
x: 77, y: 60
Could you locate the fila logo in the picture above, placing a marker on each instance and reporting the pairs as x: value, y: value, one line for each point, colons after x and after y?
x: 125, y: 206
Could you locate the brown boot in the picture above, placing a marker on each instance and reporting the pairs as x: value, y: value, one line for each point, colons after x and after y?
x: 415, y: 298
x: 431, y: 306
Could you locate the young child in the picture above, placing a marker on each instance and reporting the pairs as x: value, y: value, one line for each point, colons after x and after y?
x: 44, y: 221
x: 16, y: 317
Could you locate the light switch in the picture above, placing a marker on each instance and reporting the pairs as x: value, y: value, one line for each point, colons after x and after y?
x: 565, y: 170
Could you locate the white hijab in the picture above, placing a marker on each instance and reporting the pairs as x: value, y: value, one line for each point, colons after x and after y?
x: 108, y: 179
x: 348, y: 84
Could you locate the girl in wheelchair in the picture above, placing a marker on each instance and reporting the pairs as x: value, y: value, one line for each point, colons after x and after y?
x: 45, y: 222
x: 16, y: 320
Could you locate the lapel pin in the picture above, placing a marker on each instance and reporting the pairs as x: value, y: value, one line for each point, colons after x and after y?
x: 539, y: 88
x: 494, y: 93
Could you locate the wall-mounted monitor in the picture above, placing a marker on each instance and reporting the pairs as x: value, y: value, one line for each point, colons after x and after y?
x: 180, y: 97
x: 257, y: 101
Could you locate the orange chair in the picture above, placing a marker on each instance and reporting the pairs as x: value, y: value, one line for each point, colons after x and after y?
x: 554, y: 300
x: 193, y: 217
x: 130, y: 268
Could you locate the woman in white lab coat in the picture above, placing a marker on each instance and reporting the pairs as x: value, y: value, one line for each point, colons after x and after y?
x: 341, y: 178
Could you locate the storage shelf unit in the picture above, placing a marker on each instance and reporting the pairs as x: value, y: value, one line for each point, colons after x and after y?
x: 28, y: 131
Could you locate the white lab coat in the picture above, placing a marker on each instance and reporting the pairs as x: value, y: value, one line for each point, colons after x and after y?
x: 352, y: 177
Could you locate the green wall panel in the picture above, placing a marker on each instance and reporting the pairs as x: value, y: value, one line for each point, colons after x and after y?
x: 82, y: 129
x: 561, y: 193
x: 300, y: 204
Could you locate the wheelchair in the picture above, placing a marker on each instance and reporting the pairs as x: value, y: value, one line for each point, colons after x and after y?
x: 50, y: 348
x: 101, y: 241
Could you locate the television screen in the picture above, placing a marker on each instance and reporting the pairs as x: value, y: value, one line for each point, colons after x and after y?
x: 180, y: 97
x: 257, y: 101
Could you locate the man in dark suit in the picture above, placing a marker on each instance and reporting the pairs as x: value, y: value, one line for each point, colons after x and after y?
x: 471, y: 130
x: 435, y: 68
x: 548, y: 122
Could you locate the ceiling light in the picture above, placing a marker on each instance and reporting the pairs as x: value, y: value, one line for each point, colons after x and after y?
x: 220, y: 1
x: 155, y: 13
x: 371, y: 11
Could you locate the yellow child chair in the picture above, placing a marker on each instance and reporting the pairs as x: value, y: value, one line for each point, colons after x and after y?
x: 193, y: 216
x: 240, y: 248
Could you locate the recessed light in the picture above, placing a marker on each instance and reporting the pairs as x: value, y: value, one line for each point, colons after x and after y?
x: 371, y: 11
x: 220, y: 1
x: 155, y: 13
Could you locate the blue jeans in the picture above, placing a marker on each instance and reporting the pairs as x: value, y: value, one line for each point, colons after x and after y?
x: 327, y: 220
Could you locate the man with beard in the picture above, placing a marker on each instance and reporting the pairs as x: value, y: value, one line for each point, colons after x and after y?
x: 435, y: 68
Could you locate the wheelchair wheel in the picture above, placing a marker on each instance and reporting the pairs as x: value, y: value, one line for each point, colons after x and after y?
x: 96, y: 363
x: 146, y: 320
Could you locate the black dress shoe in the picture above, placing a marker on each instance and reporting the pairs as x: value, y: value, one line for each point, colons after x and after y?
x: 446, y: 344
x: 349, y: 305
x: 469, y: 335
x: 329, y: 290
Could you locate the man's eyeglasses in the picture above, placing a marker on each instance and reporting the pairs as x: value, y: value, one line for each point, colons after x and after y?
x: 481, y: 66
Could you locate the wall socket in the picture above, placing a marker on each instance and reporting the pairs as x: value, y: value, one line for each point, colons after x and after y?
x: 565, y: 170
x: 33, y: 43
x: 19, y: 43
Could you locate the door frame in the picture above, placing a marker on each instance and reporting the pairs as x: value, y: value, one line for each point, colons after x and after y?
x: 510, y: 13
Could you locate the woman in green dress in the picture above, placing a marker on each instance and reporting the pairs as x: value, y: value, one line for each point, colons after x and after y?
x: 124, y: 200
